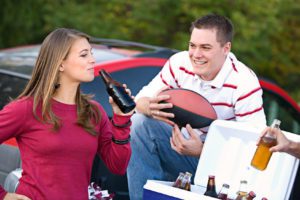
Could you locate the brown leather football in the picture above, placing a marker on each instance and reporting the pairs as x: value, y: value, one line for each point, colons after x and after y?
x: 189, y: 107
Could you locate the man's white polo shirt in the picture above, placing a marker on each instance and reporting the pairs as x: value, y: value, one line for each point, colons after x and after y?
x: 235, y: 92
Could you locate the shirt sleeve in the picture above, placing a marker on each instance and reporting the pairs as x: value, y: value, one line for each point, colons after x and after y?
x: 12, y: 119
x: 166, y: 78
x: 249, y: 102
x: 115, y: 156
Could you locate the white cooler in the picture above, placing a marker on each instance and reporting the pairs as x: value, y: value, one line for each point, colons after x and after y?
x: 227, y: 153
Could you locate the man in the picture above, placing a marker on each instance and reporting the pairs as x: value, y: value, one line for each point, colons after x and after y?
x: 159, y: 150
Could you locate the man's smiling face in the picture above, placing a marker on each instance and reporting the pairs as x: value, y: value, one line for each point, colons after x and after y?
x: 206, y: 53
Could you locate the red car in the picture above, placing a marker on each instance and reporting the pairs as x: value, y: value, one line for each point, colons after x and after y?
x: 128, y: 62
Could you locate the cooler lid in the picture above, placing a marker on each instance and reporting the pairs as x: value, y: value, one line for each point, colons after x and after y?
x: 227, y: 154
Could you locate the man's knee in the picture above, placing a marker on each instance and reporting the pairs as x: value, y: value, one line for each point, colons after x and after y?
x: 143, y: 130
x: 141, y: 122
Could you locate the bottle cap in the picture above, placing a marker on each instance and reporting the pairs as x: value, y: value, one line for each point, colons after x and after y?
x: 225, y: 185
x: 211, y: 176
x: 252, y: 194
x: 276, y: 123
x: 243, y: 181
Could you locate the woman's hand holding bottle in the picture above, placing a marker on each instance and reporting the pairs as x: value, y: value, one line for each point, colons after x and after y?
x: 116, y: 108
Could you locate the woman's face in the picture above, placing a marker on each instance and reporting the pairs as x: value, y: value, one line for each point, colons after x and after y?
x: 79, y: 64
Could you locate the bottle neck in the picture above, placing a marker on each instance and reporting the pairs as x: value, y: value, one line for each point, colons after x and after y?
x: 224, y: 190
x: 243, y: 187
x: 107, y: 78
x: 211, y: 184
x: 276, y: 125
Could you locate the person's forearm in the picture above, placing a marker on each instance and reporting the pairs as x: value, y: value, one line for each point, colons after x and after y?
x: 142, y: 105
x: 294, y: 149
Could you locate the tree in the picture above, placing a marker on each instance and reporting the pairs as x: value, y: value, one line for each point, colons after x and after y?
x: 265, y: 31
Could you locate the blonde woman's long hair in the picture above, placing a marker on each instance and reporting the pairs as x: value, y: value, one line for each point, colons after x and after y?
x: 44, y: 81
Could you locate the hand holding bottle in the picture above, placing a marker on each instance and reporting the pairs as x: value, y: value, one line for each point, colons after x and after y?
x: 262, y: 154
x: 116, y: 108
x: 283, y: 143
x: 120, y: 97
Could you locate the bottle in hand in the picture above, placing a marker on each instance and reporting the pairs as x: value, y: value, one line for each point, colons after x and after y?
x: 262, y: 154
x: 211, y: 187
x: 117, y: 92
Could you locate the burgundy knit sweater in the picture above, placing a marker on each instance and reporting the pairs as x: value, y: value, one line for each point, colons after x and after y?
x: 58, y: 165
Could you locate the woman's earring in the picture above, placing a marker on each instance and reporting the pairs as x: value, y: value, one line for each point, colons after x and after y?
x: 57, y: 85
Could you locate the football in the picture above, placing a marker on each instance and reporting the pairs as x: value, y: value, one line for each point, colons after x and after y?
x: 189, y: 107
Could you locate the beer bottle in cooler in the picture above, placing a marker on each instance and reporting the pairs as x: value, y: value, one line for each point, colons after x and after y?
x: 250, y: 196
x: 186, y: 183
x: 117, y: 92
x: 262, y: 154
x: 242, y: 193
x: 211, y: 187
x: 223, y: 192
x: 178, y: 181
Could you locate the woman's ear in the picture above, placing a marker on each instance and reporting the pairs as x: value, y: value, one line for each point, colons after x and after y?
x: 61, y: 68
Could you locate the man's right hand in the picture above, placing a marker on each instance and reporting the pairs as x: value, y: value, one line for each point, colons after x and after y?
x: 14, y: 196
x: 153, y: 108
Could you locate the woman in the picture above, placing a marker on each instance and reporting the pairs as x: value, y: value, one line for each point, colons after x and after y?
x: 58, y: 129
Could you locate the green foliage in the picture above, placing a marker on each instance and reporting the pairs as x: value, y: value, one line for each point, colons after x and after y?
x: 19, y: 23
x: 266, y: 32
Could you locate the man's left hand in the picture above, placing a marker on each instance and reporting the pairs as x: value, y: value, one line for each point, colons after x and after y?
x: 189, y: 147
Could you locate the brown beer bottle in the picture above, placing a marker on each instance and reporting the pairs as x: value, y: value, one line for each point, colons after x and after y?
x: 250, y: 196
x: 242, y: 191
x: 117, y: 92
x: 178, y: 181
x: 186, y: 182
x: 211, y: 187
x: 262, y: 154
x: 223, y: 192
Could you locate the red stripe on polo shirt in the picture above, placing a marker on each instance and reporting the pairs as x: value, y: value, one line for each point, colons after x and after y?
x: 165, y: 82
x: 173, y: 75
x: 231, y: 118
x: 249, y: 113
x: 246, y: 95
x: 233, y: 65
x: 186, y: 71
x: 221, y: 104
x: 229, y: 85
x: 171, y: 70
